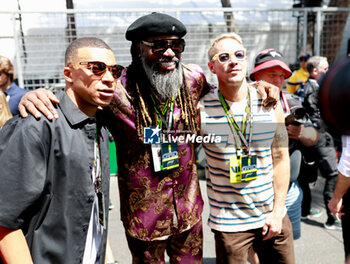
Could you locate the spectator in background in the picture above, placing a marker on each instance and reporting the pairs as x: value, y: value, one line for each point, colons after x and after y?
x: 299, y: 76
x: 5, y: 113
x: 323, y: 152
x: 271, y: 67
x: 8, y: 86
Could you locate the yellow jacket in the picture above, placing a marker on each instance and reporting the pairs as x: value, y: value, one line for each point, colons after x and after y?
x: 299, y: 76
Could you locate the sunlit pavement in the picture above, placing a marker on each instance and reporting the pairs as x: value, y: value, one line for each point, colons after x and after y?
x: 317, y: 245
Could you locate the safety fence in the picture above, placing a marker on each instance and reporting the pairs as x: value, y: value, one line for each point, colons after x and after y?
x: 40, y: 38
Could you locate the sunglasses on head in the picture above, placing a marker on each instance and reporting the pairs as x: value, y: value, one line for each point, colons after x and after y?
x: 159, y: 46
x: 225, y: 56
x: 99, y: 68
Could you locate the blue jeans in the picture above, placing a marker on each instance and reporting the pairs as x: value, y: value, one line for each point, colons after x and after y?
x: 295, y: 194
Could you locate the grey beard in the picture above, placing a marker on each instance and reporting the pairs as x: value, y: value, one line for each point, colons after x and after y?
x: 167, y: 84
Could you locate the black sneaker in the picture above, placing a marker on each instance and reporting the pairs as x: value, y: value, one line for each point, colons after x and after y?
x: 336, y: 225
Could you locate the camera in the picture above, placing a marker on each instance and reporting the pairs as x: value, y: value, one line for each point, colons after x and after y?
x: 297, y: 117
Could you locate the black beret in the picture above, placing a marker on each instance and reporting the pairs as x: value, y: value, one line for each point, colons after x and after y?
x: 155, y: 24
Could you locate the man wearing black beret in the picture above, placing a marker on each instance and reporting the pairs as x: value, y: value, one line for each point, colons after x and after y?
x: 156, y: 98
x: 162, y: 206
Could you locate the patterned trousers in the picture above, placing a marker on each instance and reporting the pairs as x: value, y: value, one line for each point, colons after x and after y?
x: 186, y: 247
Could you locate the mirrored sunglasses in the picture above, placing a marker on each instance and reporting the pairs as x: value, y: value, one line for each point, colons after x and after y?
x: 225, y: 56
x: 159, y: 46
x: 99, y: 68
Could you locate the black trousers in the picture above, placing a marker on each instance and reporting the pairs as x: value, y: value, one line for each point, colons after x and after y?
x: 326, y: 162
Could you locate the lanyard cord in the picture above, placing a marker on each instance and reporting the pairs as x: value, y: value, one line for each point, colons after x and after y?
x: 97, y: 163
x: 164, y: 116
x: 239, y: 134
x: 284, y: 103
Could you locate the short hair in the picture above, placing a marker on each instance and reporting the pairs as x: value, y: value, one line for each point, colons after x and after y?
x: 314, y: 62
x: 89, y: 42
x: 5, y: 113
x: 7, y: 67
x: 231, y: 35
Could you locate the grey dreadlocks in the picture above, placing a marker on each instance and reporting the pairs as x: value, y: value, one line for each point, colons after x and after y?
x: 139, y: 88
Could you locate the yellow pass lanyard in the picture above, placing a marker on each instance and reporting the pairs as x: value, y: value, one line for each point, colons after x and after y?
x: 165, y: 155
x: 163, y: 116
x: 239, y: 134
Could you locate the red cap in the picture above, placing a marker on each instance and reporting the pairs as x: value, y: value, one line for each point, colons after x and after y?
x: 270, y: 58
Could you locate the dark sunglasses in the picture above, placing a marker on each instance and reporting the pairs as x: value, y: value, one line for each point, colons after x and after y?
x: 99, y: 68
x: 159, y: 46
x: 225, y: 56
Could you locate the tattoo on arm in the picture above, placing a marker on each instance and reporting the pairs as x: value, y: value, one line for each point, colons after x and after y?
x: 280, y: 141
x: 281, y: 137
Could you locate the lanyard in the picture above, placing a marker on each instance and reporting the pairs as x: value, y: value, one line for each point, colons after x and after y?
x: 284, y: 103
x: 96, y: 171
x: 164, y: 117
x: 97, y: 175
x: 236, y: 131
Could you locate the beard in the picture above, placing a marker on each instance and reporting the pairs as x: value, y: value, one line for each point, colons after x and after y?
x: 166, y: 84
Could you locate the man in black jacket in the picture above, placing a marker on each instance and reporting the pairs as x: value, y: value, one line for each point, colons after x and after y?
x: 55, y: 174
x: 324, y: 152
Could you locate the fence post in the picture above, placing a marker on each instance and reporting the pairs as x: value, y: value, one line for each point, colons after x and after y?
x: 317, y: 40
x: 305, y: 32
x: 19, y: 72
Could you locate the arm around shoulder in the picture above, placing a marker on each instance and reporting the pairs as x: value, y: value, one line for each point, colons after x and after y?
x: 268, y: 92
x: 37, y: 101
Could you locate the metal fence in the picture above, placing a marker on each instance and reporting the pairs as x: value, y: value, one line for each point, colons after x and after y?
x: 40, y: 38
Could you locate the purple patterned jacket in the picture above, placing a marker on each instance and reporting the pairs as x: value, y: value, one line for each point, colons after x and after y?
x: 154, y: 207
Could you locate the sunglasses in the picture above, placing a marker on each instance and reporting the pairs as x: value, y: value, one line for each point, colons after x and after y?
x: 99, y: 68
x: 159, y: 46
x: 225, y: 56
